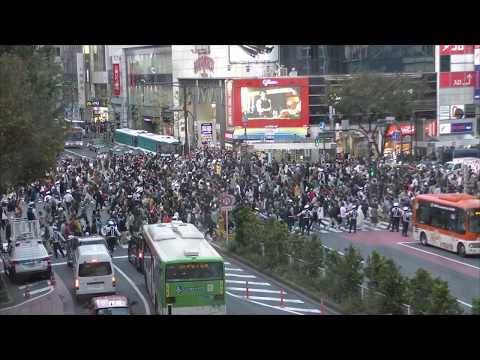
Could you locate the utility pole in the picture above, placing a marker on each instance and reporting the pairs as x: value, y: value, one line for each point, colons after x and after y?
x: 185, y: 115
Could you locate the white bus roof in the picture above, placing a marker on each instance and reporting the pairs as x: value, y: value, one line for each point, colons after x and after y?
x: 131, y: 131
x: 161, y: 138
x: 174, y: 241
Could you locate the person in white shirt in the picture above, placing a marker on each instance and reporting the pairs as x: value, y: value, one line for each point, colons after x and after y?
x: 343, y: 215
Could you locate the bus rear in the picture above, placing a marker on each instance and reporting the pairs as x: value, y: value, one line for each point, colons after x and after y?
x: 195, y: 287
x: 74, y: 138
x: 448, y: 221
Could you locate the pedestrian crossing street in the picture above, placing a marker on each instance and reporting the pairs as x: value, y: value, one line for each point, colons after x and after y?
x: 241, y: 284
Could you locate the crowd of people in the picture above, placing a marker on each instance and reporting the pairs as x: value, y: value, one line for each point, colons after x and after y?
x: 136, y: 188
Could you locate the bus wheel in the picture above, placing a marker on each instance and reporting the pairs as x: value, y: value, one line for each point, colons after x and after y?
x: 461, y: 250
x: 423, y: 239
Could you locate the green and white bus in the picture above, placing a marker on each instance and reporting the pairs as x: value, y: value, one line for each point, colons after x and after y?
x: 128, y: 137
x: 159, y: 144
x: 184, y: 275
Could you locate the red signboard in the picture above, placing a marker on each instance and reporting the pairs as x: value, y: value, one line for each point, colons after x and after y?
x: 404, y: 129
x: 116, y: 79
x: 281, y: 102
x: 456, y: 49
x: 457, y: 79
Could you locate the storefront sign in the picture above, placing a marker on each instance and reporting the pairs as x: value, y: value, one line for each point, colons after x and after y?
x: 228, y: 102
x: 203, y: 64
x: 116, y: 79
x: 476, y: 57
x: 247, y: 54
x: 405, y: 129
x: 456, y: 49
x: 450, y: 128
x: 207, y: 129
x: 457, y: 79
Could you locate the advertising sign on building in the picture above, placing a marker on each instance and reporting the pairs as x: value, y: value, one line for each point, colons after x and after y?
x: 244, y: 54
x: 116, y: 79
x: 281, y: 102
x: 228, y: 102
x: 81, y: 80
x: 450, y: 128
x: 456, y: 49
x: 477, y: 72
x: 206, y: 133
x: 457, y: 79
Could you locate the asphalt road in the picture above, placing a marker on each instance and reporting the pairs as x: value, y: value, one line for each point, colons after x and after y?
x: 462, y: 275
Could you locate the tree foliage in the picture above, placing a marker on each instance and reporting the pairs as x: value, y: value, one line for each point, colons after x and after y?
x: 367, y: 97
x: 30, y: 133
x: 476, y: 306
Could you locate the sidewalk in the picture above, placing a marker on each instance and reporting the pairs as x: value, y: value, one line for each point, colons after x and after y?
x: 57, y: 302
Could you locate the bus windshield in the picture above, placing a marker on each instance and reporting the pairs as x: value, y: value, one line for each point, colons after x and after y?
x: 474, y: 221
x: 74, y: 135
x: 194, y: 271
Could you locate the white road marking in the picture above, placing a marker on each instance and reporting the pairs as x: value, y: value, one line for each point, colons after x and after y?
x: 316, y: 311
x: 26, y: 302
x: 249, y: 283
x: 60, y: 263
x: 137, y: 290
x: 226, y: 263
x: 77, y: 154
x: 40, y: 290
x: 464, y: 303
x: 276, y: 299
x: 256, y: 290
x: 440, y: 256
x: 241, y: 276
x: 263, y: 304
x: 233, y: 269
x: 335, y: 230
x: 324, y: 231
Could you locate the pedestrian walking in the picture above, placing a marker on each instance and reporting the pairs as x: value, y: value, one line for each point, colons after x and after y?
x: 57, y: 238
x: 353, y: 220
x: 405, y: 221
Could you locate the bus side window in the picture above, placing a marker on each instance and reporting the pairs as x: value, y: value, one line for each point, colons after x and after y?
x: 423, y: 214
x: 460, y: 221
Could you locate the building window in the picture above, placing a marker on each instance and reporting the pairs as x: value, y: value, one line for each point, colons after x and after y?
x: 99, y: 58
x: 445, y: 63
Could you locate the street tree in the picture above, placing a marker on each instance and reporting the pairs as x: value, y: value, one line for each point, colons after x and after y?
x: 419, y: 291
x: 275, y: 237
x: 313, y: 255
x: 442, y: 302
x: 392, y: 286
x: 368, y: 97
x: 373, y: 269
x: 345, y: 274
x: 31, y: 135
x: 476, y: 306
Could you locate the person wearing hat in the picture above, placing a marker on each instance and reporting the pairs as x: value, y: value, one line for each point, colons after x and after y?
x: 405, y: 220
x: 395, y: 215
x: 305, y: 216
x: 56, y: 238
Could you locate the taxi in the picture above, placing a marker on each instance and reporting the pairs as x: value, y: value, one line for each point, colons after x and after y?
x: 111, y: 305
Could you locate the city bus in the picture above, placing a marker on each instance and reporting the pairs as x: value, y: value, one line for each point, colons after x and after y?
x: 448, y: 221
x: 128, y: 137
x: 73, y: 137
x: 159, y: 144
x: 184, y: 275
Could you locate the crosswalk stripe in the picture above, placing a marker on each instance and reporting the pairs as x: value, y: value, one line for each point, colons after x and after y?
x: 233, y: 269
x: 250, y: 282
x: 316, y: 311
x: 242, y: 276
x: 276, y: 299
x: 227, y: 263
x: 34, y: 292
x: 324, y: 231
x: 255, y: 290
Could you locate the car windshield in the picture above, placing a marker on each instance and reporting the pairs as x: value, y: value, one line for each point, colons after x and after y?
x: 474, y: 221
x: 94, y: 269
x: 114, y: 311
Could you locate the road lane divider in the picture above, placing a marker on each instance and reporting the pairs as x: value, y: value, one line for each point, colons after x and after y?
x: 241, y: 276
x: 255, y: 290
x: 250, y: 282
x: 296, y: 301
x: 437, y: 255
x: 137, y: 290
x: 263, y: 304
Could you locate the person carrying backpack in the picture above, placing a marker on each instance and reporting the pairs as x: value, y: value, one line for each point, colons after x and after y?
x: 395, y: 214
x: 353, y: 219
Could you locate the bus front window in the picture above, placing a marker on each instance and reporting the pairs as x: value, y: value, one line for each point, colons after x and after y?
x: 474, y: 221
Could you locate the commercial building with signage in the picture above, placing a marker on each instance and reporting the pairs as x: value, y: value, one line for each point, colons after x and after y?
x: 458, y: 68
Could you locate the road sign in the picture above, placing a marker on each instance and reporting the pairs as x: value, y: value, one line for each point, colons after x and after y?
x: 226, y: 201
x: 396, y: 136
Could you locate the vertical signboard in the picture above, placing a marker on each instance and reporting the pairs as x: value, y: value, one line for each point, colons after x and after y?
x: 228, y: 102
x: 81, y: 80
x: 476, y: 59
x: 116, y: 79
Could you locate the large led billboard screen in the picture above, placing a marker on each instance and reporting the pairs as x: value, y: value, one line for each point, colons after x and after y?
x: 279, y: 102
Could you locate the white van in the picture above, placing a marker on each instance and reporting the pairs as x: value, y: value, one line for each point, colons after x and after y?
x: 93, y: 271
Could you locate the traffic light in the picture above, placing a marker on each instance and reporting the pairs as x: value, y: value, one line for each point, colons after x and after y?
x: 373, y: 170
x: 317, y: 142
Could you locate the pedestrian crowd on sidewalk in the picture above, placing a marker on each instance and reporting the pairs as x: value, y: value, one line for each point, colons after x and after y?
x: 139, y: 188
